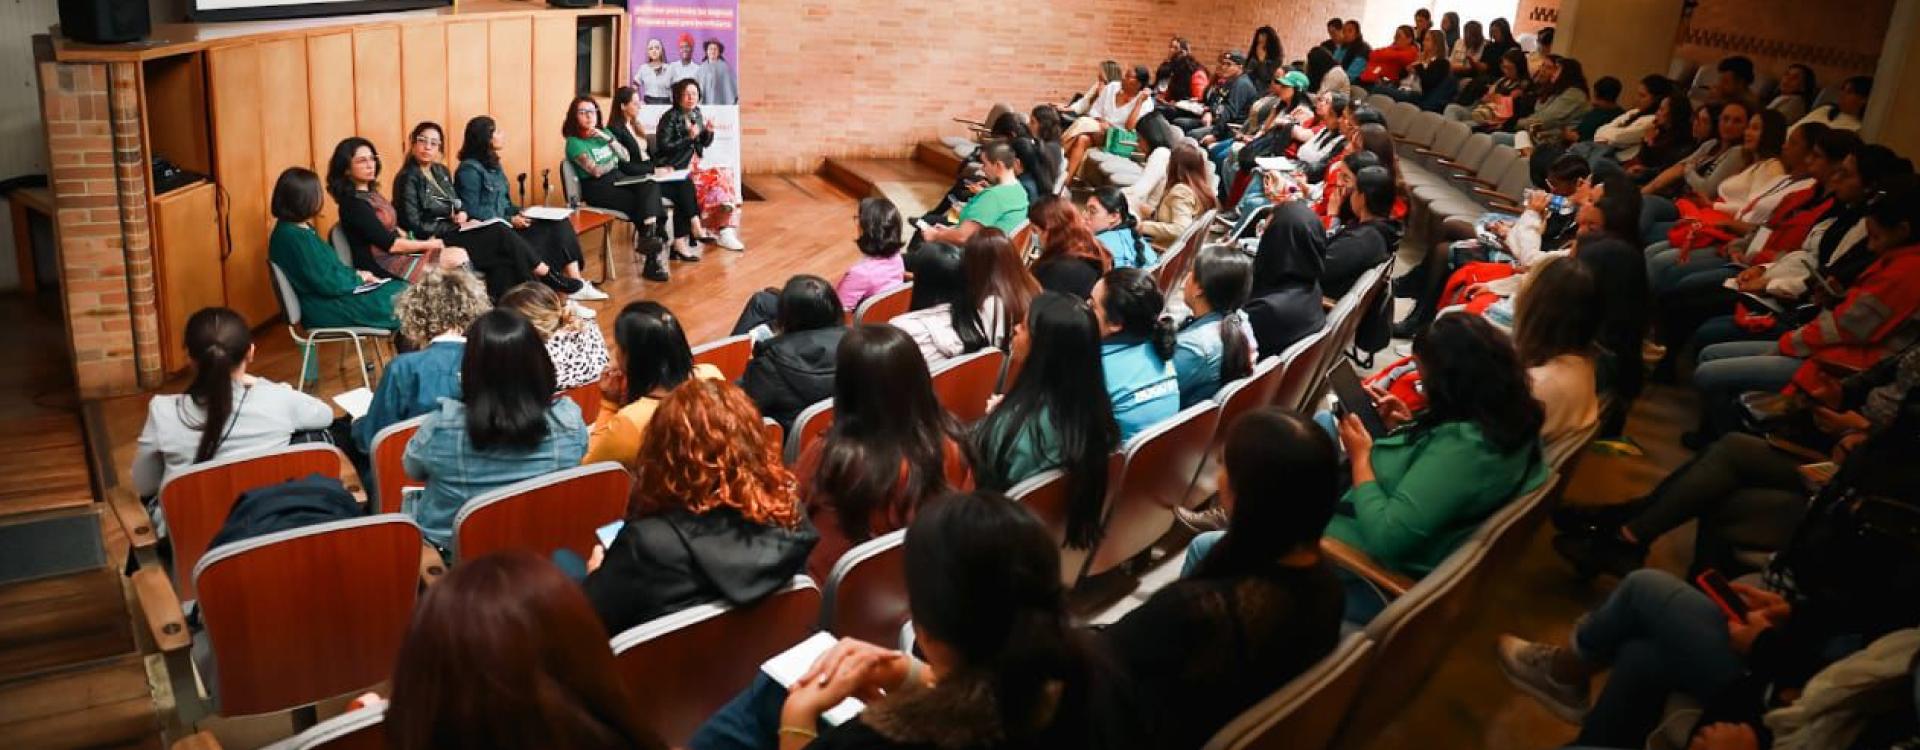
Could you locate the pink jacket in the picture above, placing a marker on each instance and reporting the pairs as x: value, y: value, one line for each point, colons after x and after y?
x: 868, y: 276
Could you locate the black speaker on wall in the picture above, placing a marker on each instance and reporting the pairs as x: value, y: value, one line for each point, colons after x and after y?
x: 105, y: 21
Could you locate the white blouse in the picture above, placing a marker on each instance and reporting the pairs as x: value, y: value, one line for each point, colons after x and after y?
x: 1744, y: 185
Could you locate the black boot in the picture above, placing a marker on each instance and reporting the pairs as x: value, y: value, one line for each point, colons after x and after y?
x: 655, y: 270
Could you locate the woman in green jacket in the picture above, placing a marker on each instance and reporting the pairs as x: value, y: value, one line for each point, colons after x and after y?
x: 1422, y: 490
x: 327, y: 289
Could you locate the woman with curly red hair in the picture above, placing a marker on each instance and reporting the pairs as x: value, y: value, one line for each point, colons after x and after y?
x: 713, y: 516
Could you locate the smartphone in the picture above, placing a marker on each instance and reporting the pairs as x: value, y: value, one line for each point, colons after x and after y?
x: 608, y: 532
x: 1355, y: 399
x: 1716, y: 588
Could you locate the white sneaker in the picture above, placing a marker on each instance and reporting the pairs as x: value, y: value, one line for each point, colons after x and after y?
x: 583, y: 311
x: 588, y: 293
x: 730, y: 239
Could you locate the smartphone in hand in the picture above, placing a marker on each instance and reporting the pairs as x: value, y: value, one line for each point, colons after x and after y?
x: 1716, y: 588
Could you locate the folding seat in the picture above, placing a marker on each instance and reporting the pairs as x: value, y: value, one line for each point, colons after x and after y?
x: 1298, y: 370
x: 1159, y: 468
x: 1235, y: 399
x: 195, y: 501
x: 556, y: 511
x: 389, y: 469
x: 1179, y: 256
x: 359, y: 729
x: 361, y: 337
x: 1306, y: 711
x: 587, y: 397
x: 963, y: 384
x: 882, y: 306
x: 866, y: 594
x: 807, y: 428
x: 1045, y: 494
x: 729, y: 354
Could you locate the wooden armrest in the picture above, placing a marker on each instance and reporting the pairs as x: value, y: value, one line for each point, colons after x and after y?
x: 162, y: 607
x: 1451, y: 164
x: 1392, y: 584
x: 1837, y: 369
x: 133, y: 518
x: 1327, y: 303
x: 198, y: 741
x: 1503, y: 207
x: 976, y: 124
x: 1490, y: 193
x: 1796, y: 450
x: 1477, y: 180
x: 1430, y: 153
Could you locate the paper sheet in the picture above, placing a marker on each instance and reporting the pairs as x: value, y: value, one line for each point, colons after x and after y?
x: 1276, y: 164
x: 549, y: 213
x: 787, y: 666
x: 472, y: 225
x: 355, y: 402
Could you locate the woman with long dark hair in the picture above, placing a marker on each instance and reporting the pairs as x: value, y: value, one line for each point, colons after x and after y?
x: 948, y: 316
x: 794, y: 369
x: 1187, y: 196
x: 651, y: 358
x: 624, y: 123
x: 371, y: 224
x: 1071, y: 259
x: 485, y: 194
x: 1556, y: 105
x: 603, y: 163
x: 1215, y: 346
x: 1264, y: 56
x: 504, y: 652
x: 224, y: 411
x: 1114, y: 225
x: 1049, y: 418
x: 889, y: 449
x: 1136, y: 350
x: 1556, y: 318
x: 998, y: 276
x: 1258, y: 603
x: 428, y: 206
x: 505, y: 427
x: 1419, y: 492
x: 1286, y: 279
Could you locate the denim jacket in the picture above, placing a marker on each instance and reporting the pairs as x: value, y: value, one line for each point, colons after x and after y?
x: 484, y: 191
x: 455, y: 471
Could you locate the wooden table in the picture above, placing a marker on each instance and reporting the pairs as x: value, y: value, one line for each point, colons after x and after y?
x: 585, y: 221
x: 21, y: 202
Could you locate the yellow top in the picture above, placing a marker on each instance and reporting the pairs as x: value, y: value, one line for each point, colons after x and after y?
x: 617, y: 431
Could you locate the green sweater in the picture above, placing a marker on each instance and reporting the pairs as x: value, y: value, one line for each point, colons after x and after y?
x: 1432, y: 488
x: 324, y: 285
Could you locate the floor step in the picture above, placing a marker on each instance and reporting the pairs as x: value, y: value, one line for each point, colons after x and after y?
x: 54, y: 623
x: 936, y: 156
x: 102, y: 704
x: 912, y: 186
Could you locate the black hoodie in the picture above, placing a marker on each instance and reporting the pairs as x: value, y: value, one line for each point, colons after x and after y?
x: 791, y: 372
x: 667, y: 562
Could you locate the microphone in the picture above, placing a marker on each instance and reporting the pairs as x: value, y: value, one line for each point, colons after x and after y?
x: 546, y: 183
x: 523, y: 188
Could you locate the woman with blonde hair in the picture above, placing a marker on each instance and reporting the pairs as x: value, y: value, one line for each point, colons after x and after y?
x: 434, y: 314
x: 578, y: 350
x: 714, y: 515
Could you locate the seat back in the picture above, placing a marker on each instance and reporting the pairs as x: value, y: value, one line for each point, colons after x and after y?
x: 1249, y: 224
x: 729, y: 354
x: 196, y: 500
x: 884, y: 305
x: 556, y: 511
x: 1508, y: 531
x: 1180, y: 254
x: 1827, y: 96
x: 1045, y: 494
x: 1514, y: 182
x: 684, y: 666
x: 570, y: 183
x: 359, y: 729
x: 866, y: 594
x: 1450, y: 138
x: 1474, y: 152
x: 1381, y: 102
x: 342, y: 249
x: 284, y: 294
x: 1423, y: 127
x: 964, y: 383
x: 389, y: 470
x: 310, y: 613
x: 587, y: 397
x: 1159, y: 467
x: 1400, y: 117
x: 808, y: 427
x: 1235, y: 399
x: 1494, y: 167
x: 1411, y: 633
x: 1297, y: 365
x: 1306, y: 711
x: 775, y: 433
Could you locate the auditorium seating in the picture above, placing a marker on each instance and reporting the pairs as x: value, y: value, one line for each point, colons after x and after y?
x: 964, y: 383
x: 543, y: 514
x: 389, y: 469
x: 866, y: 594
x: 730, y: 355
x: 1307, y: 711
x: 195, y: 500
x: 808, y: 427
x: 587, y: 397
x: 1171, y: 270
x: 1159, y: 467
x: 884, y: 305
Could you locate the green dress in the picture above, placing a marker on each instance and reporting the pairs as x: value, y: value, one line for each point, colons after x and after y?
x: 325, y: 286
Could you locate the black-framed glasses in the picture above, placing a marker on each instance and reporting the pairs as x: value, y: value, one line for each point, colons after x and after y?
x: 427, y: 141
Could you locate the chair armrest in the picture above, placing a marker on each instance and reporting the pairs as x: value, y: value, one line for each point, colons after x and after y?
x: 162, y: 608
x: 1477, y: 180
x: 133, y: 518
x: 1427, y: 152
x: 1837, y: 369
x: 1450, y: 164
x: 1392, y: 584
x: 198, y: 741
x: 976, y: 124
x: 1796, y: 450
x: 1490, y: 194
x: 1504, y: 207
x: 1328, y: 303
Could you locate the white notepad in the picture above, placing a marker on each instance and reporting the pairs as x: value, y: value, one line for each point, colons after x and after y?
x: 355, y: 402
x: 787, y: 667
x: 548, y: 213
x: 1276, y: 164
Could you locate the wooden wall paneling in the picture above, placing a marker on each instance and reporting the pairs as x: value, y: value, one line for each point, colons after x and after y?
x: 468, y: 68
x: 176, y: 111
x: 376, y: 96
x: 234, y: 85
x: 187, y: 225
x: 510, y: 42
x: 284, y: 102
x: 423, y: 81
x: 330, y: 104
x: 553, y: 86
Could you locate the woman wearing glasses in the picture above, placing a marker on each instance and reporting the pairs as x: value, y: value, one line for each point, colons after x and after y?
x: 371, y: 224
x: 602, y: 162
x: 428, y: 206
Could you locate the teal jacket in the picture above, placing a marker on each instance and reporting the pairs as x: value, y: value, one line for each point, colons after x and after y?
x: 1432, y: 488
x: 1142, y: 386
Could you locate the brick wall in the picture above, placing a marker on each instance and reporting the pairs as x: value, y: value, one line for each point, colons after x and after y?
x: 106, y: 258
x: 1836, y: 40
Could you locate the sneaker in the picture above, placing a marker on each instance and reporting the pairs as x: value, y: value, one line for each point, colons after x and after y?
x: 730, y: 239
x: 588, y: 293
x: 1529, y: 666
x: 582, y: 310
x: 655, y: 271
x: 1200, y: 521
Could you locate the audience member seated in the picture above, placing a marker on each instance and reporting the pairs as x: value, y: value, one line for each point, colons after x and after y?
x: 794, y: 368
x: 880, y: 242
x: 948, y: 316
x: 1215, y: 346
x: 1674, y: 134
x: 1556, y: 318
x: 1256, y: 605
x: 624, y: 123
x: 1429, y: 81
x: 1071, y: 260
x: 1180, y: 78
x: 1387, y: 65
x: 651, y: 359
x: 505, y: 653
x: 1238, y: 92
x: 1798, y: 88
x: 506, y: 426
x: 1001, y: 204
x: 1846, y: 112
x: 1497, y: 105
x: 1761, y: 141
x: 1117, y: 100
x: 1419, y: 492
x: 371, y: 223
x: 1719, y: 156
x: 889, y: 449
x: 1787, y: 208
x: 714, y: 516
x: 1353, y: 53
x: 602, y: 163
x: 1286, y: 307
x: 1264, y: 58
x: 1188, y: 195
x: 1278, y: 124
x: 434, y: 315
x: 329, y: 292
x: 1136, y: 350
x: 574, y: 343
x: 1621, y: 137
x: 1048, y: 418
x: 1605, y: 109
x: 1113, y: 224
x: 485, y: 194
x: 1560, y: 101
x: 1465, y: 50
x: 225, y: 411
x: 996, y: 269
x: 428, y: 207
x: 1735, y: 83
x: 1619, y: 367
x: 1367, y: 235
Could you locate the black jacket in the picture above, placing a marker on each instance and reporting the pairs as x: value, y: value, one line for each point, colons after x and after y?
x: 792, y: 371
x: 676, y: 145
x: 664, y: 563
x: 284, y: 506
x: 1354, y: 250
x: 425, y: 201
x: 1075, y: 276
x: 638, y: 161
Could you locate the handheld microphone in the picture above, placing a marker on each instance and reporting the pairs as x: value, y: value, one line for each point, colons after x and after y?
x: 523, y: 188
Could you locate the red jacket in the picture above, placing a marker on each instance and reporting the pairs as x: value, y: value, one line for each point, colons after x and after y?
x: 1388, y: 64
x: 1790, y: 223
x: 1880, y: 316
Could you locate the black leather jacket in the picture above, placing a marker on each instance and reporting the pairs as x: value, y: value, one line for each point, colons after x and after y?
x: 676, y: 147
x: 425, y: 200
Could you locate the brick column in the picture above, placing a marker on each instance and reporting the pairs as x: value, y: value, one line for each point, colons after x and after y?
x: 130, y: 172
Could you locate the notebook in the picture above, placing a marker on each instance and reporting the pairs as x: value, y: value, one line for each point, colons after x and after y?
x: 787, y: 667
x: 355, y: 402
x: 548, y: 213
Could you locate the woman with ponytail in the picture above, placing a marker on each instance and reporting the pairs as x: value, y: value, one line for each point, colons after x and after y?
x: 225, y: 411
x: 1005, y: 668
x: 1215, y: 346
x: 1136, y: 350
x: 1257, y: 604
x: 1115, y: 227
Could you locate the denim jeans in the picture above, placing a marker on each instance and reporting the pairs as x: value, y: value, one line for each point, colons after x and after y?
x: 1659, y: 636
x: 1657, y: 215
x: 1722, y: 329
x: 1666, y: 270
x: 751, y: 721
x: 1728, y: 369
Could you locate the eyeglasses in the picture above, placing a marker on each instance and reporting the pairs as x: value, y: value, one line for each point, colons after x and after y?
x: 587, y: 111
x: 427, y: 141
